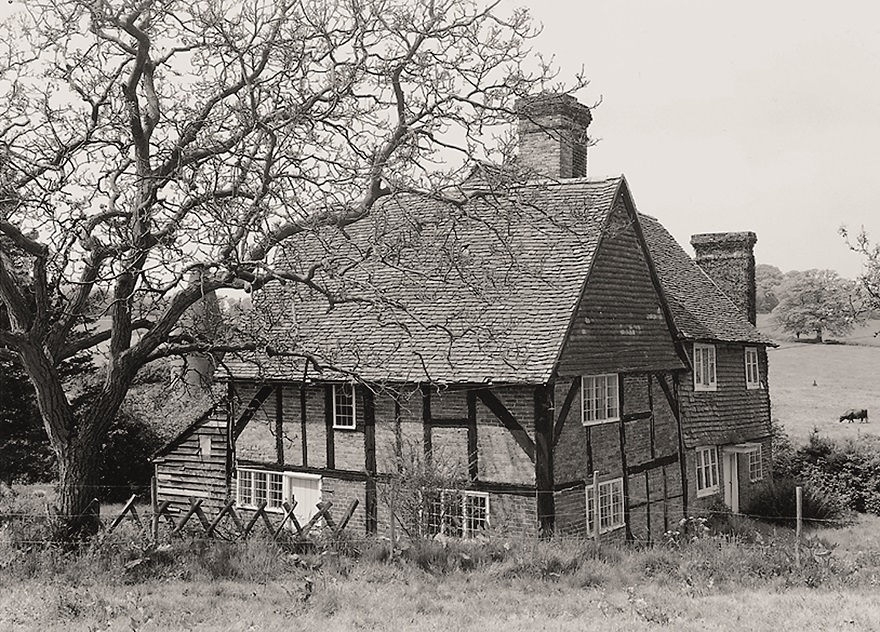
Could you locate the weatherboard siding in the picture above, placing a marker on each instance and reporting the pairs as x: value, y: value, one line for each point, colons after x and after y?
x: 195, y: 470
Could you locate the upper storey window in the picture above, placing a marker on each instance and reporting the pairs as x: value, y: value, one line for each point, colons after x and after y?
x: 599, y: 399
x: 344, y: 407
x: 704, y: 368
x: 753, y: 377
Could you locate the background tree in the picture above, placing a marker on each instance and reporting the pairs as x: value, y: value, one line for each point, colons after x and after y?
x: 767, y: 280
x: 153, y: 152
x: 816, y: 301
x: 869, y: 280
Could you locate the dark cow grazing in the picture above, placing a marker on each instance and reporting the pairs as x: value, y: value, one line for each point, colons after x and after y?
x: 852, y: 414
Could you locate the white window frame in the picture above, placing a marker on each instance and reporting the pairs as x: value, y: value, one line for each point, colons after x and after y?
x: 753, y: 371
x: 612, y: 513
x: 756, y: 464
x: 340, y: 416
x: 705, y: 368
x: 600, y: 399
x: 267, y: 485
x: 707, y: 474
x: 471, y: 524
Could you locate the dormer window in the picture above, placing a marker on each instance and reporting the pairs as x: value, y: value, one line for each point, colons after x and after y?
x: 704, y: 368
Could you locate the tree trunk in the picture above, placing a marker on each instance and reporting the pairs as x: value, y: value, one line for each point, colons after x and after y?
x: 77, y: 506
x: 819, y: 335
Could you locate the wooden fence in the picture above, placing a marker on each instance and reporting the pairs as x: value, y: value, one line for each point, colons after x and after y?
x: 228, y: 524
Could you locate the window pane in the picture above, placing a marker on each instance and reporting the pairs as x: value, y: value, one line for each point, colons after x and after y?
x: 259, y: 487
x: 276, y: 496
x: 343, y: 406
x: 245, y: 484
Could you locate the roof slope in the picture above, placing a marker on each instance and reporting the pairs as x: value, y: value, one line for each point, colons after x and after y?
x: 701, y: 311
x: 473, y: 292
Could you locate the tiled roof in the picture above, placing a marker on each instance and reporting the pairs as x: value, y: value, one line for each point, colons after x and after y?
x: 700, y: 310
x: 471, y: 292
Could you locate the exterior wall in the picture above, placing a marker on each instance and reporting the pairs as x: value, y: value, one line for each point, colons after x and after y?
x: 642, y: 448
x: 459, y: 426
x: 193, y: 470
x: 732, y: 413
x: 619, y: 325
x: 746, y: 488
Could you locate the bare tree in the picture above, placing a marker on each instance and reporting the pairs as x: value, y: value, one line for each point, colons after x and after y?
x: 155, y: 151
x: 869, y: 279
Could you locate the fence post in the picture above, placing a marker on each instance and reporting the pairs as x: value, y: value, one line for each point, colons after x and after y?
x: 799, y: 502
x: 596, y: 506
x: 154, y: 502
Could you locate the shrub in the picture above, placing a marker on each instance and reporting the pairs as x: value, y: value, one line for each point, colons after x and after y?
x: 775, y: 501
x: 848, y: 472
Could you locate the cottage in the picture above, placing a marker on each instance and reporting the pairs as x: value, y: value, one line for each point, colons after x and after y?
x: 555, y: 343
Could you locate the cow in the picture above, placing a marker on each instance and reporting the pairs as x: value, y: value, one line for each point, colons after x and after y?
x: 852, y: 414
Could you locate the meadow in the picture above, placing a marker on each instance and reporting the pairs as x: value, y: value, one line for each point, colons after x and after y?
x: 811, y: 385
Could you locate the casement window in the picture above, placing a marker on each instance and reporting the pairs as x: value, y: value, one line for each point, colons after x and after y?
x: 704, y: 368
x: 460, y: 514
x: 610, y: 506
x: 600, y: 401
x: 756, y: 465
x: 753, y: 378
x: 255, y: 486
x: 344, y: 407
x: 707, y: 471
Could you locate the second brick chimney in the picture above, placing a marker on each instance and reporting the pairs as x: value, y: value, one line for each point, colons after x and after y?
x: 729, y: 260
x: 553, y: 135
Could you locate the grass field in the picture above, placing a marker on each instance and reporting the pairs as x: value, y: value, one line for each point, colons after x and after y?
x: 714, y: 584
x: 811, y: 385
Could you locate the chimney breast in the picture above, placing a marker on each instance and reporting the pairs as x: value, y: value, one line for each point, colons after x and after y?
x: 553, y: 135
x: 729, y: 260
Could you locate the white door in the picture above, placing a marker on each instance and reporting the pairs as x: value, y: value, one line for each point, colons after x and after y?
x: 731, y: 480
x: 306, y: 490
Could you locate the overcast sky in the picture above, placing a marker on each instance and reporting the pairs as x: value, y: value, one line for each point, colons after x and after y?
x: 761, y: 116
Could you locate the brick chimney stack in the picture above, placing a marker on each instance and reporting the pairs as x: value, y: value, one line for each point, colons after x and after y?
x: 729, y: 260
x: 553, y: 135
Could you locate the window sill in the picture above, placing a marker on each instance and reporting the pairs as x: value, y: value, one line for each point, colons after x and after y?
x: 599, y: 422
x: 708, y: 492
x: 349, y: 428
x: 705, y: 389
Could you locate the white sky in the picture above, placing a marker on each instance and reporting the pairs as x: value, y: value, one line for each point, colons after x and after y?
x: 746, y: 115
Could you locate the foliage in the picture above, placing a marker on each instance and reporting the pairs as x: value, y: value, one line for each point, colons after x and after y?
x: 845, y: 475
x: 767, y: 280
x: 775, y: 501
x: 25, y: 454
x: 153, y: 153
x: 869, y: 280
x: 816, y: 301
x: 126, y: 468
x: 420, y: 488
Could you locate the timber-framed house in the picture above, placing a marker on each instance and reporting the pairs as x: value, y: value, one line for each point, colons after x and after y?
x: 546, y: 339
